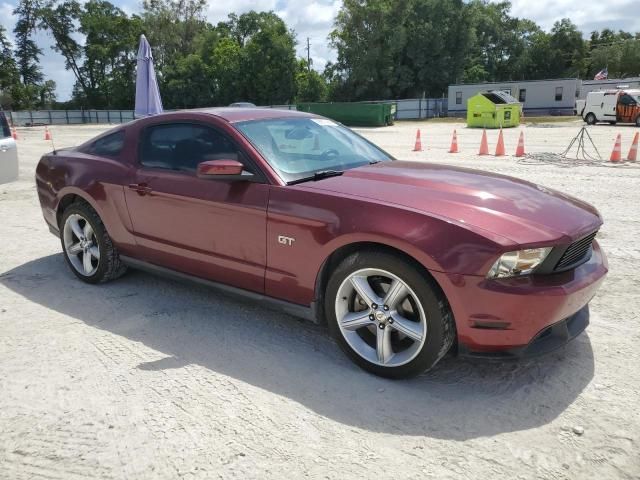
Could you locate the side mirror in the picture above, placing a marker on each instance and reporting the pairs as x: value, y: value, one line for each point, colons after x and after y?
x: 219, y: 167
x: 223, y: 170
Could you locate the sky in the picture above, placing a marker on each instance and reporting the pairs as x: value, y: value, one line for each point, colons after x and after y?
x: 314, y: 19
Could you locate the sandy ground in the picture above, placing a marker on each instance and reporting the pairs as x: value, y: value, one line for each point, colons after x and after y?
x: 149, y: 378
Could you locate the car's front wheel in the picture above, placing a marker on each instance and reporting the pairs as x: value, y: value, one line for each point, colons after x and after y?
x: 87, y: 247
x: 387, y: 315
x: 590, y: 119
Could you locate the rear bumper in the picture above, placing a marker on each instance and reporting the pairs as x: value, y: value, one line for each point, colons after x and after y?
x: 514, y: 317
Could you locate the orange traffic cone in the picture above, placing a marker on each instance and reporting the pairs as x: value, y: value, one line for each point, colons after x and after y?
x: 633, y: 151
x: 484, y: 146
x: 454, y: 143
x: 14, y: 133
x: 418, y: 146
x: 520, y: 148
x: 47, y: 134
x: 500, y: 145
x: 617, y: 149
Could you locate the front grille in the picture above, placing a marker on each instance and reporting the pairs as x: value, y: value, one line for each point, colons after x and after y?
x: 576, y: 252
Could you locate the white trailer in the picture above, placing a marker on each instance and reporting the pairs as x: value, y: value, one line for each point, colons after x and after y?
x: 539, y: 97
x: 608, y: 84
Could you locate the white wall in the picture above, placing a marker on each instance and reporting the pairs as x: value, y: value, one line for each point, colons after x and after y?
x: 540, y: 95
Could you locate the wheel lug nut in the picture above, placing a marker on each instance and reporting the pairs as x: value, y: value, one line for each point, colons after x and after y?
x: 390, y: 320
x: 373, y: 305
x: 386, y: 307
x: 381, y: 326
x: 371, y: 317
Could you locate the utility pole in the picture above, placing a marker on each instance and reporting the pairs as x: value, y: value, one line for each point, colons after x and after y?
x: 308, y: 55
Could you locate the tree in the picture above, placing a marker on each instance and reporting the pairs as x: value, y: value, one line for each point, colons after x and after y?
x: 568, y: 50
x: 310, y: 85
x: 398, y: 48
x: 619, y: 52
x: 171, y: 26
x: 27, y: 52
x: 268, y: 60
x: 104, y: 66
x: 9, y: 75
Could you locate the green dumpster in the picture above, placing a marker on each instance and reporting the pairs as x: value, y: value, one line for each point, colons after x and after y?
x: 494, y: 109
x: 353, y: 113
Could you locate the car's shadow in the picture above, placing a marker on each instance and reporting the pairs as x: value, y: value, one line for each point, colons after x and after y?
x: 273, y: 351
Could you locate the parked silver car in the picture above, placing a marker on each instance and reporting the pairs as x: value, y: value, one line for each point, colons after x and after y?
x: 8, y: 152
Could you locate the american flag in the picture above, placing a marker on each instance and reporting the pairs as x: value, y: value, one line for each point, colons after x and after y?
x: 602, y: 74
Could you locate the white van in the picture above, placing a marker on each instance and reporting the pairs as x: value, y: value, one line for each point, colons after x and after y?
x: 8, y: 152
x: 611, y: 106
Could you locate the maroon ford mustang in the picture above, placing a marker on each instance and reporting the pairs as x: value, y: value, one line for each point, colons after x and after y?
x: 403, y: 260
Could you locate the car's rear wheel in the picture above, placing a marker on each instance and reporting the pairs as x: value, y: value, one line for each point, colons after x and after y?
x: 590, y: 119
x: 638, y: 121
x: 387, y: 315
x: 87, y: 247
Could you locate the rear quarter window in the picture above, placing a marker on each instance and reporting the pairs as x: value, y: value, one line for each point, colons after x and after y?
x: 109, y: 146
x: 5, y: 131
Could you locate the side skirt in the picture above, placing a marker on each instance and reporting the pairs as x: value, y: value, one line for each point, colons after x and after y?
x: 307, y: 313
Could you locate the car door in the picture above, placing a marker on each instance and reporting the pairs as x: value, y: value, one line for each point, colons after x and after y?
x: 627, y: 108
x: 8, y: 153
x: 608, y: 106
x: 214, y: 229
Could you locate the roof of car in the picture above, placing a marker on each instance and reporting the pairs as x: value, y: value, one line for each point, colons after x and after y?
x: 241, y: 114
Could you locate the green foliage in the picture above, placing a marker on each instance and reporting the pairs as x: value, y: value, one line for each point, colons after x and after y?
x: 27, y: 52
x: 620, y: 52
x: 385, y: 49
x: 404, y: 48
x: 310, y: 85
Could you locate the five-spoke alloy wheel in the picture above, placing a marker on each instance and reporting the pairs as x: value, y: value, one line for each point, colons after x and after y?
x: 81, y: 245
x: 86, y: 245
x: 380, y: 317
x: 388, y: 314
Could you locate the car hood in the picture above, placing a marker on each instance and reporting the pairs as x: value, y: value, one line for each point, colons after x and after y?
x: 522, y: 212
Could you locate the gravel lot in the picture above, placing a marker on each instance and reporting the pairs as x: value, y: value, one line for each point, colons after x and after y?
x: 149, y: 378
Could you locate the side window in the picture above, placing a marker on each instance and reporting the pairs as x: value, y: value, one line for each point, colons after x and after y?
x: 109, y: 146
x: 182, y: 146
x: 627, y: 100
x: 558, y: 94
x: 522, y: 95
x: 5, y: 131
x: 458, y: 98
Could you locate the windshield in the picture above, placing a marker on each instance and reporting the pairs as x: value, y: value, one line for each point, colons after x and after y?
x: 298, y: 148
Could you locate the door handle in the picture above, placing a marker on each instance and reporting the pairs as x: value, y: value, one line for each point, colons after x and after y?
x: 140, y: 188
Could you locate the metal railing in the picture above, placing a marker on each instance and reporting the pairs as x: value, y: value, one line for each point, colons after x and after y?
x: 28, y: 118
x: 408, y: 109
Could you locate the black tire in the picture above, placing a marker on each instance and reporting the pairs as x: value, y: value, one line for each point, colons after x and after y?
x: 638, y: 121
x: 612, y: 122
x: 590, y: 119
x: 441, y: 332
x: 109, y: 265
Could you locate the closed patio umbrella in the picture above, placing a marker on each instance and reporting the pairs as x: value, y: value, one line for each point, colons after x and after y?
x: 148, y: 100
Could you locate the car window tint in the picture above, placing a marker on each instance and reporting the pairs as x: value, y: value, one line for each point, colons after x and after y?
x: 5, y: 131
x: 627, y: 100
x: 182, y: 146
x: 109, y: 146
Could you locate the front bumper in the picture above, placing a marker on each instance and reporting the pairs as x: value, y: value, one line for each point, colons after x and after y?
x: 522, y: 316
x: 546, y: 341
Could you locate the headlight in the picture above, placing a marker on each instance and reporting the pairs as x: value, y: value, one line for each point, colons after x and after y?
x: 522, y: 262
